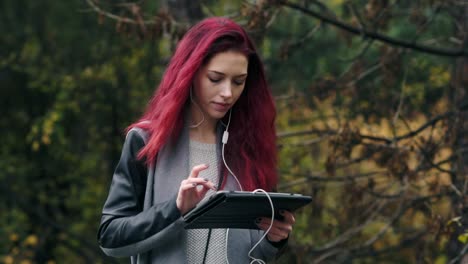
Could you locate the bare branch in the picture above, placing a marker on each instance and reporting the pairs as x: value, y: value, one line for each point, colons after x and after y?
x: 384, y: 229
x: 370, y: 251
x: 462, y: 256
x: 135, y: 10
x: 364, y: 74
x: 305, y: 143
x: 375, y: 35
x: 410, y: 134
x: 400, y: 104
x: 320, y: 178
x: 305, y: 132
x: 99, y: 10
x: 361, y: 53
x: 298, y: 43
x: 348, y: 234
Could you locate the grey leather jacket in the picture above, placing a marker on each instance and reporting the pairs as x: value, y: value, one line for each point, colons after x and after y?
x: 140, y: 219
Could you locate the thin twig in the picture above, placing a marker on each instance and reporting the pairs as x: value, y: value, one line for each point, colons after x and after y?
x: 376, y: 35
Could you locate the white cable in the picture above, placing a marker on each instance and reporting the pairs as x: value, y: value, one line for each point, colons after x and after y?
x: 199, y: 109
x: 224, y: 141
x: 224, y: 160
x: 254, y: 260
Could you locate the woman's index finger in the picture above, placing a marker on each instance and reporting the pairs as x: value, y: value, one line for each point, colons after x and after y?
x: 197, y: 169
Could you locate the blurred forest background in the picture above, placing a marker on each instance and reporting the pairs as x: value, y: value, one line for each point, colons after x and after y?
x: 372, y: 119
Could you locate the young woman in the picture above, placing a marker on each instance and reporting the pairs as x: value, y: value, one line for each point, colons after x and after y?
x: 176, y: 155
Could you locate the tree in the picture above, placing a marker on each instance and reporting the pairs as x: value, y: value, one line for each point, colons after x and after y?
x: 372, y: 111
x: 458, y: 249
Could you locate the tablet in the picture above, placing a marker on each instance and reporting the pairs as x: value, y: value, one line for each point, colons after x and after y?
x: 237, y: 209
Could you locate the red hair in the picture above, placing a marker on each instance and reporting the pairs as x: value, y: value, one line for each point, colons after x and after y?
x: 251, y: 151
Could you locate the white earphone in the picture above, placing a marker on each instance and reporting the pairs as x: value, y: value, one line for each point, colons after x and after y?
x: 224, y: 141
x: 199, y: 109
x: 254, y: 260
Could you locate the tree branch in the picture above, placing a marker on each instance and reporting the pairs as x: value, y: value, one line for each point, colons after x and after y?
x: 320, y: 178
x: 100, y: 11
x: 410, y: 134
x: 375, y: 35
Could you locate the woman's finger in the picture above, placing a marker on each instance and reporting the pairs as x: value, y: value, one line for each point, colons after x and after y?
x: 279, y: 229
x: 288, y: 217
x: 287, y: 227
x: 187, y: 186
x: 204, y: 182
x: 278, y: 234
x: 197, y: 169
x: 198, y: 180
x: 274, y: 238
x: 275, y: 234
x: 203, y: 192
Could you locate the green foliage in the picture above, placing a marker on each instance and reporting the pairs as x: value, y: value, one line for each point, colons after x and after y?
x: 72, y: 81
x: 65, y: 87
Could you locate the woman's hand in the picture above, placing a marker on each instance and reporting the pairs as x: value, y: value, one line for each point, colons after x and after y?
x: 189, y: 193
x: 280, y: 229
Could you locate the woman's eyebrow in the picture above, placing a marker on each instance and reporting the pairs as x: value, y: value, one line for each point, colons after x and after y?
x: 221, y: 73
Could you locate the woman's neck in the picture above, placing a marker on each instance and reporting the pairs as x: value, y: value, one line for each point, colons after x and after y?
x: 205, y: 133
x: 202, y: 128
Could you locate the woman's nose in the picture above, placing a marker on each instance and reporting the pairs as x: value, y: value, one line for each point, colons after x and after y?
x: 226, y: 90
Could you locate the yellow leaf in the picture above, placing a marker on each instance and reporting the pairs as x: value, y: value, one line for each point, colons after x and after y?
x: 14, y: 237
x: 8, y: 260
x: 463, y: 238
x: 454, y: 220
x: 35, y: 146
x: 441, y: 260
x: 45, y: 139
x: 31, y: 240
x: 419, y: 220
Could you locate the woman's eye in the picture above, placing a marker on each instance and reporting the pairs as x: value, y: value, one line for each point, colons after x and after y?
x: 214, y: 80
x: 241, y: 82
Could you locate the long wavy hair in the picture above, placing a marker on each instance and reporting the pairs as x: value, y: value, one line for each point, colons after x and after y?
x: 251, y: 151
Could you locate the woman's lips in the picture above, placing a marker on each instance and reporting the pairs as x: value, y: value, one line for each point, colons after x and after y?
x: 221, y: 107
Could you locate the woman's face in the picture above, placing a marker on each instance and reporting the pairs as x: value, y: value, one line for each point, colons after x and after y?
x: 218, y: 84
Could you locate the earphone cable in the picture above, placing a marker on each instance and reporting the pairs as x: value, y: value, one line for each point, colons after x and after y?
x: 254, y: 260
x: 224, y: 141
x: 199, y: 109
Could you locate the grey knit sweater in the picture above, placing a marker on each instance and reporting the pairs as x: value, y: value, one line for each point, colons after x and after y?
x: 201, y: 240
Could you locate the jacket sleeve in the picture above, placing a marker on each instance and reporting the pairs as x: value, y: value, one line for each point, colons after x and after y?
x: 267, y: 250
x: 124, y: 222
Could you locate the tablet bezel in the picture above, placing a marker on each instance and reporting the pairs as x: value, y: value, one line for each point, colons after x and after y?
x: 237, y: 209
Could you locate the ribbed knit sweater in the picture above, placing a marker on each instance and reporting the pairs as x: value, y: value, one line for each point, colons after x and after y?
x: 197, y: 239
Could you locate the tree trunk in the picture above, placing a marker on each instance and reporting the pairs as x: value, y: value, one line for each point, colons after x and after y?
x: 459, y: 101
